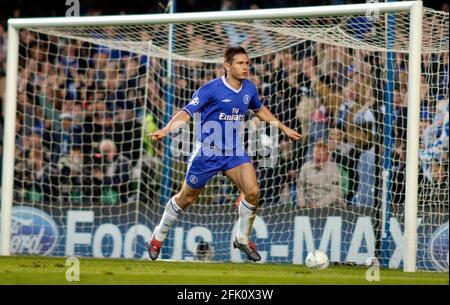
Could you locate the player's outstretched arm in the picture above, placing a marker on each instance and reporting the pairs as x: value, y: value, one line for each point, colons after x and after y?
x: 177, y: 121
x: 264, y: 114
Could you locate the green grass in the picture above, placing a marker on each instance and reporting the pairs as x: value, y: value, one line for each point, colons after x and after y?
x: 45, y: 270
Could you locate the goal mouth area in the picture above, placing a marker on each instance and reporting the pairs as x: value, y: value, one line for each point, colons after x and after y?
x: 120, y: 77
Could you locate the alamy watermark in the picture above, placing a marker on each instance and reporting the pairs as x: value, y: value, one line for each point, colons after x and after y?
x: 74, y: 9
x: 73, y: 272
x: 373, y: 14
x: 373, y: 272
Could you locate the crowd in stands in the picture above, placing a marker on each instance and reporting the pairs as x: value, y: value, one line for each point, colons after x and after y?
x: 84, y: 113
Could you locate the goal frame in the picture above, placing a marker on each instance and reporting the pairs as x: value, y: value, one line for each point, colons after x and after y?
x: 415, y: 8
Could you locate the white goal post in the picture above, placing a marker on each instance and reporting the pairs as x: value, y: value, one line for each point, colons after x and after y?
x: 413, y: 8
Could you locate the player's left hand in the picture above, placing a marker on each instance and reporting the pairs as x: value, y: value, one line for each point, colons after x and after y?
x: 292, y: 134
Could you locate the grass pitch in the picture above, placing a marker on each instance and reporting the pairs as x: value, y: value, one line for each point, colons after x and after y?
x: 45, y: 270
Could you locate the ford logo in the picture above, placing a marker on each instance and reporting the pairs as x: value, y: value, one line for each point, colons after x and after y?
x: 33, y: 232
x: 439, y: 248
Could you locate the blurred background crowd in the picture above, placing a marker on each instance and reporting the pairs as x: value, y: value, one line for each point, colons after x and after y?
x: 84, y: 112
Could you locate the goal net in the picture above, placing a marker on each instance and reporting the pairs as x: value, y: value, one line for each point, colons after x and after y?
x: 88, y: 181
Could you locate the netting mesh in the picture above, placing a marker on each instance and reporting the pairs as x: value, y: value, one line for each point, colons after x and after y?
x: 89, y: 96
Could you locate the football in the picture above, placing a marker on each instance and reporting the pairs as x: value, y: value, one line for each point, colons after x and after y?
x: 317, y: 260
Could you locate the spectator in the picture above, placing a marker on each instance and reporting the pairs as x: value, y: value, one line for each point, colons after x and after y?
x: 365, y: 192
x: 148, y: 167
x: 306, y: 70
x: 111, y: 170
x: 318, y: 129
x: 365, y: 114
x: 262, y: 35
x: 234, y: 37
x: 43, y: 176
x: 71, y: 172
x: 150, y: 126
x: 349, y: 100
x: 287, y: 169
x: 434, y: 192
x: 319, y: 183
x: 277, y: 182
x: 304, y: 111
x: 339, y: 154
x: 401, y: 112
x: 329, y: 86
x: 46, y: 98
x: 444, y: 7
x: 68, y: 61
x: 61, y: 141
x: 399, y: 174
x: 360, y: 27
x: 126, y: 132
x: 435, y: 138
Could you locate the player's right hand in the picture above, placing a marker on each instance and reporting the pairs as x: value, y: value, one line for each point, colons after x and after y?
x: 158, y: 135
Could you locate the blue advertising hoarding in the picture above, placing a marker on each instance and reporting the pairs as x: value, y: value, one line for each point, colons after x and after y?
x: 282, y: 235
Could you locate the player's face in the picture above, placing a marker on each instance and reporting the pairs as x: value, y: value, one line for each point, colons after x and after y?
x: 239, y: 67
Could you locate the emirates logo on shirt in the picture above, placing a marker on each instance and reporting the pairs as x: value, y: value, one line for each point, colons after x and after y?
x: 232, y: 117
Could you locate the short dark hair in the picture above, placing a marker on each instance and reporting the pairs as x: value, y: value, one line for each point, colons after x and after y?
x: 322, y: 143
x: 231, y: 51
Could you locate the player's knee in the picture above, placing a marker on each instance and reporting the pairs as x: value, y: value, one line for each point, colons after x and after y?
x: 189, y: 200
x: 184, y: 201
x: 252, y: 195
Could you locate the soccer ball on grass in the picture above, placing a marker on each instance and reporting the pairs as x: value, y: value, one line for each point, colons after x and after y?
x: 317, y: 260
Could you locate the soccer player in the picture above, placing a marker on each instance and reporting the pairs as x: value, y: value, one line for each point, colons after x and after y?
x: 221, y: 102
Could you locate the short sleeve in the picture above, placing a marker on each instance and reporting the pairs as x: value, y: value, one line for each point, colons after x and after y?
x: 255, y: 102
x: 199, y: 100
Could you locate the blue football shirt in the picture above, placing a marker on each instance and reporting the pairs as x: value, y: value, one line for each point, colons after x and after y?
x: 222, y: 110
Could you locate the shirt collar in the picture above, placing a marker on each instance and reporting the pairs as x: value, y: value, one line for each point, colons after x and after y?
x: 229, y: 86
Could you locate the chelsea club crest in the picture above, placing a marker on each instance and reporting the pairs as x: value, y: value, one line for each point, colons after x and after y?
x: 246, y: 99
